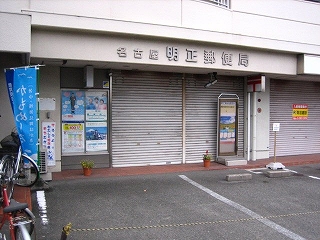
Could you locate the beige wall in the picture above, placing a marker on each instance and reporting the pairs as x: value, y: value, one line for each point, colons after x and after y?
x: 49, y: 87
x: 6, y: 116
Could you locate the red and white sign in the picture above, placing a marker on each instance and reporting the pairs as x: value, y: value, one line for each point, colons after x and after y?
x: 256, y: 83
x: 300, y: 111
x: 48, y: 141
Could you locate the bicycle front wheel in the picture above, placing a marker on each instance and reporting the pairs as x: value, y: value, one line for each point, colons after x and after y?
x: 28, y: 172
x: 22, y: 233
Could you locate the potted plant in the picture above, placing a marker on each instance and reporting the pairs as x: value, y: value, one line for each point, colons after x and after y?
x: 206, y: 159
x: 87, y: 166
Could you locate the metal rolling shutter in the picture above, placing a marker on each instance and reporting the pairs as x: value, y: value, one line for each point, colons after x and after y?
x: 146, y: 119
x: 295, y: 136
x: 201, y: 115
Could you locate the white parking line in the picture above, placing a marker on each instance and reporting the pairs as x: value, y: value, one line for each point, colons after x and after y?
x: 42, y: 204
x: 313, y: 177
x: 256, y: 170
x: 245, y: 210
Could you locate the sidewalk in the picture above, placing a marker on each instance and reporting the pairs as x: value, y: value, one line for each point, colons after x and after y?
x: 21, y: 194
x: 126, y: 171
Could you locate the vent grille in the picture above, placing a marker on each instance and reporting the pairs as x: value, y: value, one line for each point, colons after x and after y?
x: 43, y: 162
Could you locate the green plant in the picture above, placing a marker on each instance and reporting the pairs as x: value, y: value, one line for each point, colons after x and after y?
x: 206, y: 156
x: 87, y: 164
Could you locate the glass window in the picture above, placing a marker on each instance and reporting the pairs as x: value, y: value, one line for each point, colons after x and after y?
x: 84, y: 116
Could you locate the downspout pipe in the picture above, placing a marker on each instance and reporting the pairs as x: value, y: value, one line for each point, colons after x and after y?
x: 248, y: 126
x: 183, y: 119
x: 254, y: 127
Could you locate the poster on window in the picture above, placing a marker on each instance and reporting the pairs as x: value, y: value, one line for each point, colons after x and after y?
x: 96, y: 106
x: 48, y: 141
x: 72, y: 105
x: 72, y: 137
x: 96, y: 136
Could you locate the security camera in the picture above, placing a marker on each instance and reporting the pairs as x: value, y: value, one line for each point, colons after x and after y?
x: 213, y: 80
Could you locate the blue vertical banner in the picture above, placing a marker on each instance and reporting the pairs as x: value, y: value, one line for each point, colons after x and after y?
x: 23, y: 94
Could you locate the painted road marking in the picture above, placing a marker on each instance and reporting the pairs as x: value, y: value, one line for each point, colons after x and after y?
x: 256, y: 170
x: 245, y: 210
x: 42, y: 204
x: 313, y: 177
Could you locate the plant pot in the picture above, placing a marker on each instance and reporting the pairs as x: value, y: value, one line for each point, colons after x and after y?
x: 87, y: 171
x: 206, y: 163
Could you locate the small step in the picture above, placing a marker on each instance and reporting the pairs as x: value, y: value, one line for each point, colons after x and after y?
x: 232, y: 160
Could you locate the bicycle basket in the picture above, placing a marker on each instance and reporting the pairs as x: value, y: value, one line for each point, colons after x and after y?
x: 11, y: 142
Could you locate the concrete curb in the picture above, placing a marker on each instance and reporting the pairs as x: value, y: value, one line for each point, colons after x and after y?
x: 278, y: 173
x: 239, y: 177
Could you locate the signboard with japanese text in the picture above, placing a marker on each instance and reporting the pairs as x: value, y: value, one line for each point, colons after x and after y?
x: 194, y: 55
x: 300, y: 111
x: 48, y: 141
x: 23, y: 94
x: 276, y: 127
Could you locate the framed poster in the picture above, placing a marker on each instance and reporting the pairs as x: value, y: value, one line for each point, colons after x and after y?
x: 96, y: 136
x: 72, y: 105
x: 72, y: 137
x: 228, y: 127
x: 96, y: 106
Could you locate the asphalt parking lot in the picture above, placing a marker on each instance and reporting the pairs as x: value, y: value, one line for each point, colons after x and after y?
x: 191, y: 205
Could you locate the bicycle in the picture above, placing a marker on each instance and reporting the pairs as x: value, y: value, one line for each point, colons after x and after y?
x: 17, y: 168
x: 21, y: 220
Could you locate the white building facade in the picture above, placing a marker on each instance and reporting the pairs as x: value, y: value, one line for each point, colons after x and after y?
x: 149, y: 62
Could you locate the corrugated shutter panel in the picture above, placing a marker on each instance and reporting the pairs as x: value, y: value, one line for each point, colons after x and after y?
x: 146, y: 119
x: 295, y: 136
x: 201, y: 115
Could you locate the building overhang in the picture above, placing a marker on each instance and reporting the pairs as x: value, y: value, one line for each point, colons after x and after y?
x: 15, y: 32
x: 308, y: 64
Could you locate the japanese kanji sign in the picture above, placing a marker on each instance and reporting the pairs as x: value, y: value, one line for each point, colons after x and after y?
x: 22, y: 89
x: 190, y: 55
x: 48, y: 141
x: 299, y: 111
